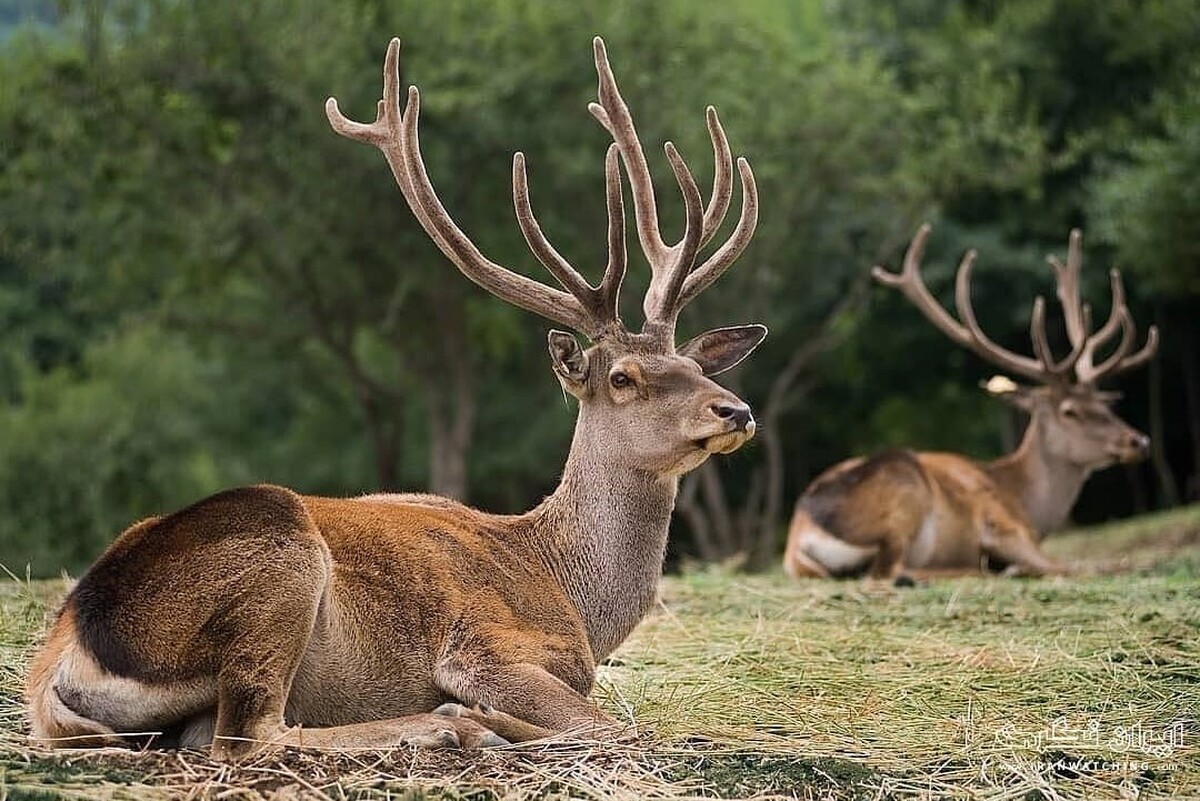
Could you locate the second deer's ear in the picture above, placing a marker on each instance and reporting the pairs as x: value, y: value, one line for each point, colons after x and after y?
x: 1009, y: 391
x: 570, y: 361
x: 718, y: 350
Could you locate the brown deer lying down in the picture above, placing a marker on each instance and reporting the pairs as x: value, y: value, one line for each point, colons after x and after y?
x: 262, y: 617
x: 924, y: 514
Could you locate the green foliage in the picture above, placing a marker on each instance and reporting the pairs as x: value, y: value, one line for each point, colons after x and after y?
x: 90, y: 448
x: 1149, y: 206
x: 201, y: 285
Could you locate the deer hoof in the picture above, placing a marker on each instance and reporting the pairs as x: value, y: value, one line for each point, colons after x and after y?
x: 904, y: 581
x: 443, y: 738
x: 451, y: 710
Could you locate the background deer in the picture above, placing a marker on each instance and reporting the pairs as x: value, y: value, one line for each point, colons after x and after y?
x: 259, y: 616
x: 928, y: 513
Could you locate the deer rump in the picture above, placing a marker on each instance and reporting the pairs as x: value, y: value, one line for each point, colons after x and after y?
x: 920, y: 505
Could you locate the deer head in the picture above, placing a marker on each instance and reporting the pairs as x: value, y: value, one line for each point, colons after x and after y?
x: 1072, y: 417
x: 648, y: 403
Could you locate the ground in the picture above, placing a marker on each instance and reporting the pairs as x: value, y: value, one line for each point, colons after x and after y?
x: 761, y: 687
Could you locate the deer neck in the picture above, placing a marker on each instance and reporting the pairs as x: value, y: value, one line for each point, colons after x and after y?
x: 1046, y: 486
x: 603, y: 535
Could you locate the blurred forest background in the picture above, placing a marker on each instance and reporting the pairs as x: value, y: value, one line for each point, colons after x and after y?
x: 201, y: 285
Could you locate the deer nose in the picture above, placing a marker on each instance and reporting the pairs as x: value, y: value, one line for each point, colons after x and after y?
x: 736, y: 413
x: 1141, y: 443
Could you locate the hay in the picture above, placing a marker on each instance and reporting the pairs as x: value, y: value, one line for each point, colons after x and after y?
x: 755, y: 687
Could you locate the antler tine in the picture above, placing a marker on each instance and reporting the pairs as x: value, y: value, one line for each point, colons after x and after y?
x: 981, y: 344
x: 1119, y: 361
x: 1145, y: 354
x: 553, y: 261
x: 1128, y: 333
x: 721, y: 259
x: 1041, y: 344
x: 970, y: 335
x: 1066, y: 279
x: 722, y: 194
x: 675, y: 278
x: 660, y: 303
x: 601, y: 302
x: 613, y: 114
x: 614, y: 273
x: 395, y: 133
x: 911, y: 285
x: 385, y: 129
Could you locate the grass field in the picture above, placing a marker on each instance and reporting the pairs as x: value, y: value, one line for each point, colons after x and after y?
x: 758, y: 687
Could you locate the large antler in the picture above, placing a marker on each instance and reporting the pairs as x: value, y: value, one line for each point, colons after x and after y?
x: 1044, y: 368
x: 675, y: 279
x: 590, y: 309
x: 1067, y: 279
x: 586, y: 308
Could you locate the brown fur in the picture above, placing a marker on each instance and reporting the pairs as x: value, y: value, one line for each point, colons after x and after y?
x: 943, y: 513
x: 260, y: 610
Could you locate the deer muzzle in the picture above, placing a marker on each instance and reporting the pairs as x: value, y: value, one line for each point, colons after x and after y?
x: 1135, y: 448
x: 741, y: 429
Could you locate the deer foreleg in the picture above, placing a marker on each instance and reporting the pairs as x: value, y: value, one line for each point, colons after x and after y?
x: 521, y: 701
x: 1023, y: 555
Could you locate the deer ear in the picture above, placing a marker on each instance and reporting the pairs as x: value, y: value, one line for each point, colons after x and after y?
x: 1009, y: 391
x: 718, y: 350
x: 570, y: 361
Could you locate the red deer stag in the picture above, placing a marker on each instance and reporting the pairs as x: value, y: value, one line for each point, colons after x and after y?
x: 923, y: 514
x: 261, y: 618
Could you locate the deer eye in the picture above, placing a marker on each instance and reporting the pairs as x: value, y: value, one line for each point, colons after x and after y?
x: 619, y: 380
x: 1070, y: 412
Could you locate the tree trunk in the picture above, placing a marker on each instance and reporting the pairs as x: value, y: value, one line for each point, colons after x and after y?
x: 451, y: 422
x: 1168, y: 489
x: 1191, y: 390
x: 766, y: 526
x: 450, y: 399
x: 692, y: 510
x: 385, y: 429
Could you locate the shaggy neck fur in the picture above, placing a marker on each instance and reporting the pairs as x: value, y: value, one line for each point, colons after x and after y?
x: 1046, y: 487
x: 603, y: 534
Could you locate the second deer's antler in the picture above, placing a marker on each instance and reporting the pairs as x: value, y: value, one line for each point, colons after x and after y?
x: 1044, y: 367
x: 1076, y: 313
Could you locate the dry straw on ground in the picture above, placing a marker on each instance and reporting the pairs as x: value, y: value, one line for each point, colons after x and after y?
x: 757, y: 687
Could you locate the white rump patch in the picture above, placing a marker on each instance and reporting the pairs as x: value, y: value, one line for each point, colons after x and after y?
x: 836, y: 556
x: 124, y: 704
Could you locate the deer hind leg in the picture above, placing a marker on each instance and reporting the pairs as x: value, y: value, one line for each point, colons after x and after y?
x: 888, y: 563
x: 268, y: 631
x: 259, y: 665
x: 445, y: 729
